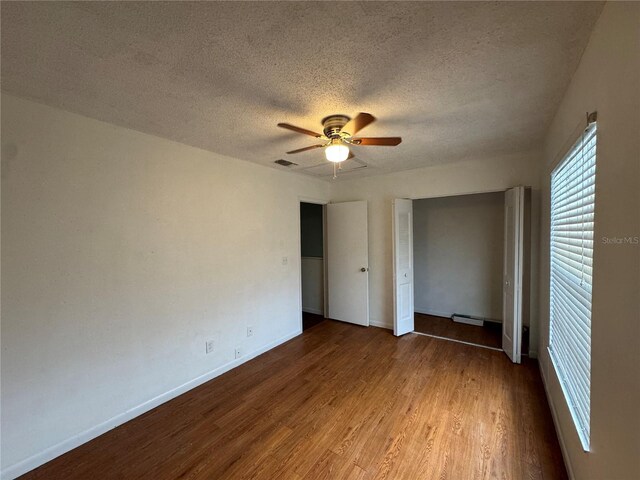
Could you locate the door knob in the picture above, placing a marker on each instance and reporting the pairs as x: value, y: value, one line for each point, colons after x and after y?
x: 364, y: 269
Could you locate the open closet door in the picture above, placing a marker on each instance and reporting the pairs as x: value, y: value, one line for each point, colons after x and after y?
x: 402, y: 266
x: 348, y: 262
x: 513, y: 266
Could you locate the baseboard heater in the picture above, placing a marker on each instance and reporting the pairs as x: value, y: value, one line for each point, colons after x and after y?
x: 468, y: 319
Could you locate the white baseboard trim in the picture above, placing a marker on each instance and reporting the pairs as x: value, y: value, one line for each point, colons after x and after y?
x: 426, y: 311
x: 34, y: 461
x: 317, y: 311
x: 374, y: 323
x: 556, y: 424
x: 468, y: 321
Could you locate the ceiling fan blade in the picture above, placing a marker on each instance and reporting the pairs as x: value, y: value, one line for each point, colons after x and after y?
x: 305, y: 149
x: 358, y: 123
x: 299, y: 130
x: 377, y: 141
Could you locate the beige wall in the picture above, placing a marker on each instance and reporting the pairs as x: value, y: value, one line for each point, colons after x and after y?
x: 458, y: 255
x: 607, y: 80
x: 471, y: 176
x: 122, y: 253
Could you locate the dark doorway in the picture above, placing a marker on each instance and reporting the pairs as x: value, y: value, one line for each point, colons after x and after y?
x: 312, y: 263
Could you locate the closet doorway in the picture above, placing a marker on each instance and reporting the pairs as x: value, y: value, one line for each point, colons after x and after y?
x: 461, y: 268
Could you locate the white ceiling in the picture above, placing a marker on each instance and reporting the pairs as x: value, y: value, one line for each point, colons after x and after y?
x: 455, y: 80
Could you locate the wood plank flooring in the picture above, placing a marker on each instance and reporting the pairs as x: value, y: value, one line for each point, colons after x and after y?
x: 489, y: 335
x: 340, y: 402
x: 311, y: 320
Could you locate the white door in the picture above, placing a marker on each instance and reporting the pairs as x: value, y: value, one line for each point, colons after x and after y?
x: 513, y: 264
x: 402, y: 266
x: 348, y: 262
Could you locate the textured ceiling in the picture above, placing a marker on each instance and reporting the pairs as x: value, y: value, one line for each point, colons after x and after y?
x: 455, y: 80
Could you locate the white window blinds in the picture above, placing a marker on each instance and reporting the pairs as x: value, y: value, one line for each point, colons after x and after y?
x: 572, y: 217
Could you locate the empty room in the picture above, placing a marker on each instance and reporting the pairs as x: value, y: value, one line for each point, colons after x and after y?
x: 320, y: 240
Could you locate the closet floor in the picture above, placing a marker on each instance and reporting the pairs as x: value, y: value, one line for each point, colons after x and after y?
x: 489, y: 335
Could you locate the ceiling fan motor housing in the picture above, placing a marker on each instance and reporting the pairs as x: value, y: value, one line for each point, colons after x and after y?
x: 332, y: 126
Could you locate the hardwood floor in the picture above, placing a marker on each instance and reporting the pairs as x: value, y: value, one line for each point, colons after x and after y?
x: 489, y: 335
x: 340, y: 402
x: 311, y: 320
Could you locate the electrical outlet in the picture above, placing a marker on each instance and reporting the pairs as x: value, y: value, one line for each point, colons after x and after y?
x: 285, y: 260
x: 249, y: 331
x: 209, y: 346
x: 238, y: 352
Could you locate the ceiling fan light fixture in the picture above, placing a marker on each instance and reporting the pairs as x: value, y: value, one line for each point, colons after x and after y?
x: 336, y: 152
x: 338, y: 133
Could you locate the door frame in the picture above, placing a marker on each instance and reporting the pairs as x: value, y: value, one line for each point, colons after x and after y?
x: 324, y: 203
x: 459, y: 194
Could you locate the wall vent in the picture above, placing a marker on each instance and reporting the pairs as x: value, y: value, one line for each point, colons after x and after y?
x: 285, y: 163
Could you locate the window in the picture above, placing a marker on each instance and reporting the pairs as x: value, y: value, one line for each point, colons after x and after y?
x: 572, y: 219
